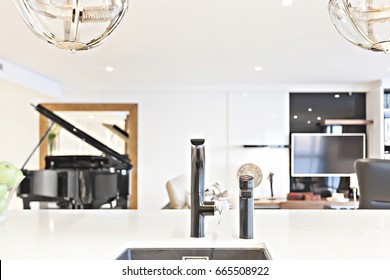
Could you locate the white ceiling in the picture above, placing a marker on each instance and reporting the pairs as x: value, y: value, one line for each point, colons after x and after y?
x: 202, y: 42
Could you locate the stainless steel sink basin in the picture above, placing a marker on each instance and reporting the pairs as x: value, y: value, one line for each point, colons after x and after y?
x: 257, y: 253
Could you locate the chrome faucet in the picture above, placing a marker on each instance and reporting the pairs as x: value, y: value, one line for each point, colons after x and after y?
x: 199, y: 207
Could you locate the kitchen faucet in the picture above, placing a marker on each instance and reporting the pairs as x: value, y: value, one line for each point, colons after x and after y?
x: 199, y: 207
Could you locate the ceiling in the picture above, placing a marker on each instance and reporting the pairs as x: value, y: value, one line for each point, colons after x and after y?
x: 201, y: 42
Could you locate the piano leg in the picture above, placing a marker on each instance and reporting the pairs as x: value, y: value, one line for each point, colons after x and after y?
x: 26, y: 203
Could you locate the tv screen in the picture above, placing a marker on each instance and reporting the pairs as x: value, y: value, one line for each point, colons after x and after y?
x: 325, y: 155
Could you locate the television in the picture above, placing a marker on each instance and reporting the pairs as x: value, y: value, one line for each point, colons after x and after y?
x: 326, y: 155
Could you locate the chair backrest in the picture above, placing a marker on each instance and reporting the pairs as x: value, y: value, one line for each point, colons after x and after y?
x: 178, y: 192
x: 374, y: 183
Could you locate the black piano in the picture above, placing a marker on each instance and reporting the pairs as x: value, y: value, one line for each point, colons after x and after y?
x: 78, y: 181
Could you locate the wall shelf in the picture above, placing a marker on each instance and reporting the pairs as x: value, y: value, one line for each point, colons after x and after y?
x: 346, y: 122
x: 266, y: 146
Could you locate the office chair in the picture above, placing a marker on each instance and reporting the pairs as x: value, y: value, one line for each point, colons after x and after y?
x: 374, y: 183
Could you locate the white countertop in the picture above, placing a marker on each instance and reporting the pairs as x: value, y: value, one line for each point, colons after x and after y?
x: 104, y: 234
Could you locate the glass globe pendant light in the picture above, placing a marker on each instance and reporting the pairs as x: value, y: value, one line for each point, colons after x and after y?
x: 365, y: 23
x: 72, y: 25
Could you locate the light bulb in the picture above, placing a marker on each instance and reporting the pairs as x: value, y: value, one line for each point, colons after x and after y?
x: 72, y: 25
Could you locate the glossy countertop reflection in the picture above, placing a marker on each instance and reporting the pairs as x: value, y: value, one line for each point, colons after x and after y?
x: 103, y: 234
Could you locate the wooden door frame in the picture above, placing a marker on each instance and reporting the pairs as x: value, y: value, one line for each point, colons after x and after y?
x: 131, y: 127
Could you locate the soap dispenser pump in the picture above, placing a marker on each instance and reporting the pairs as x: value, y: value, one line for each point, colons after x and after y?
x: 246, y: 206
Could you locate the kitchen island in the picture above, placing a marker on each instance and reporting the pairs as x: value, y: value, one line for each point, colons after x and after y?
x: 104, y: 234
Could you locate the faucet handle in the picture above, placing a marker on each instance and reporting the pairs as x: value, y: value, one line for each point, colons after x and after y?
x: 208, y: 208
x: 209, y: 203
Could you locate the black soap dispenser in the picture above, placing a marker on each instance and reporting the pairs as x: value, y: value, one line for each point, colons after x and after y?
x: 246, y: 207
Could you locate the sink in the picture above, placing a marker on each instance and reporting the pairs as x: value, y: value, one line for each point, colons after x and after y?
x: 253, y: 253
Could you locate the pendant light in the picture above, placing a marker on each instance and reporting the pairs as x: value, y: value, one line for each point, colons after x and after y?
x: 364, y: 23
x: 72, y: 25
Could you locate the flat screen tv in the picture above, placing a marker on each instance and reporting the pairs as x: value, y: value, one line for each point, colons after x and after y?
x: 325, y: 155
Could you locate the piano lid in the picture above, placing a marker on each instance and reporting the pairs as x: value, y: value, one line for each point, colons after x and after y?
x: 118, y: 131
x: 84, y: 136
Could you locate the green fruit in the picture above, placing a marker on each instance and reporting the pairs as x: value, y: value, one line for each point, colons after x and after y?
x: 3, y: 204
x: 3, y: 190
x: 7, y: 172
x: 16, y: 180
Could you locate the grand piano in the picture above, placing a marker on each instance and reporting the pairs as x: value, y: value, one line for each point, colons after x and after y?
x: 78, y: 181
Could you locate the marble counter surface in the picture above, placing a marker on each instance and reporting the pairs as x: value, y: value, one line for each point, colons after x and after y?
x: 104, y: 234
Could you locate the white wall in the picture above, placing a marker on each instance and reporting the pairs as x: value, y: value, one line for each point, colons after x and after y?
x: 260, y: 118
x: 375, y: 136
x: 19, y: 123
x: 166, y: 123
x: 23, y: 77
x: 168, y: 119
x: 19, y: 127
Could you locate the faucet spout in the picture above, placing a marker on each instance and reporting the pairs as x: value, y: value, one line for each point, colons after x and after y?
x: 199, y: 207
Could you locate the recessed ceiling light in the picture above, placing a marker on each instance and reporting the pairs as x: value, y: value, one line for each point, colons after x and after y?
x: 258, y: 68
x: 109, y: 68
x: 295, y: 117
x: 287, y: 2
x: 308, y: 122
x: 309, y: 109
x: 318, y: 118
x: 337, y: 95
